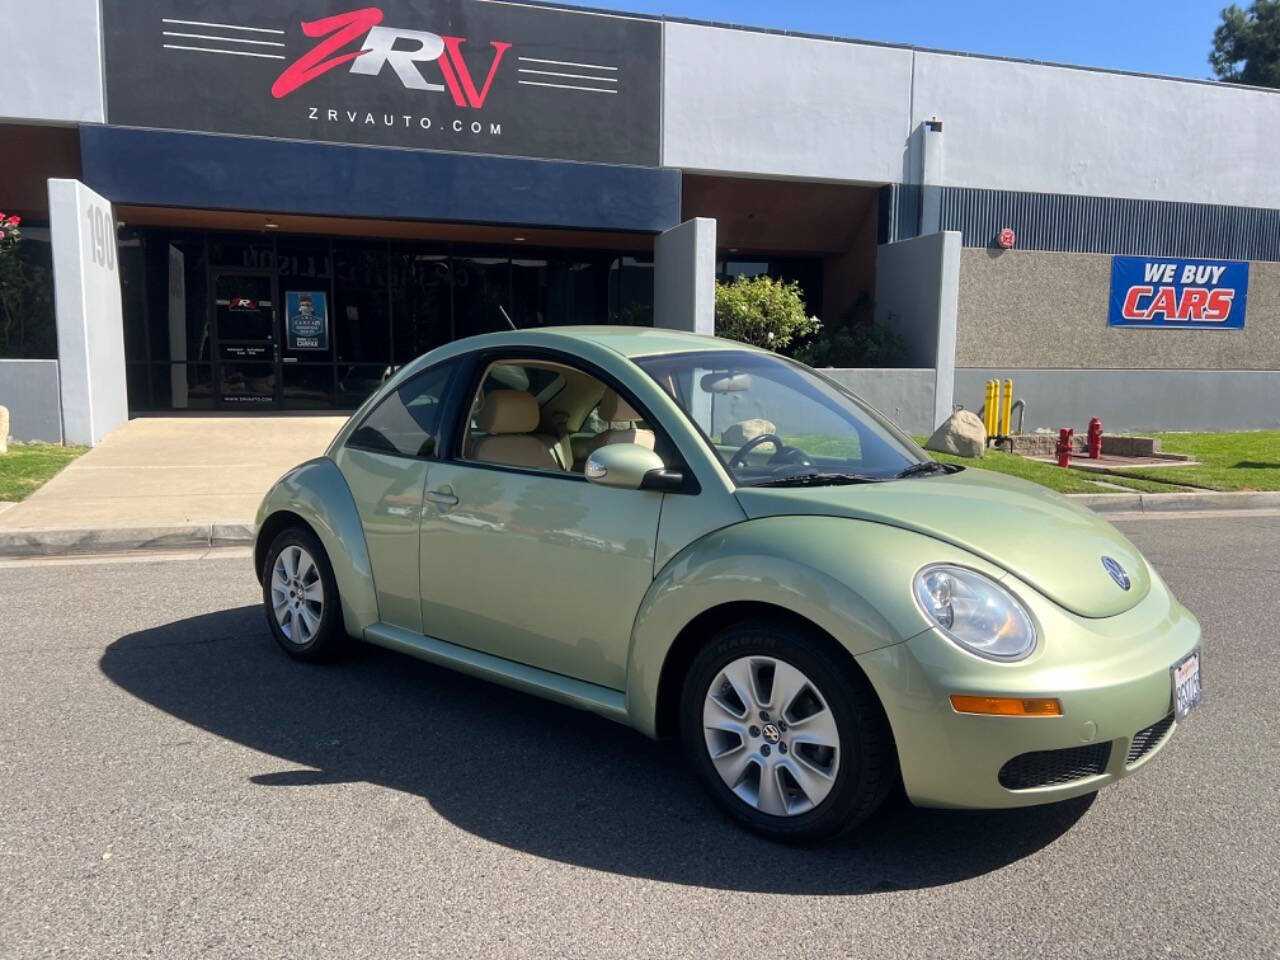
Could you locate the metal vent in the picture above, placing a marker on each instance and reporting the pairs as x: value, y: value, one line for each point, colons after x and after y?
x: 1044, y: 768
x: 1144, y: 741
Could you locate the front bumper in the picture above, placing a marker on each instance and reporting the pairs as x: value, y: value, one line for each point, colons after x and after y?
x: 1111, y: 675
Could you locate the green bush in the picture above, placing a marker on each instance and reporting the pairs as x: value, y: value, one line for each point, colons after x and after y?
x: 763, y: 312
x: 856, y: 340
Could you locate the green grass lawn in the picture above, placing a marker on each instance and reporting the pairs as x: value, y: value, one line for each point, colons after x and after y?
x: 1229, y: 461
x: 27, y: 466
x: 1045, y: 474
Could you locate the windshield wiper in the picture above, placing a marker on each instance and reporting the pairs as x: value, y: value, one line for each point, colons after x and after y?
x: 816, y: 480
x: 926, y: 467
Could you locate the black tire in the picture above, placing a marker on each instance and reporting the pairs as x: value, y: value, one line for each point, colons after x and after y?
x: 329, y: 638
x: 867, y: 769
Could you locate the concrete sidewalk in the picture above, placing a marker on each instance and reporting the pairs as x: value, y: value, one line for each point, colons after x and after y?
x: 180, y: 482
x: 168, y: 476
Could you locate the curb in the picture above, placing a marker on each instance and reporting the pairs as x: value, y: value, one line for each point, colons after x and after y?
x: 41, y: 543
x: 36, y: 543
x: 1176, y: 502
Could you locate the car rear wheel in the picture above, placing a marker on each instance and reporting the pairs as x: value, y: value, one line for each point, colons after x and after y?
x: 785, y: 734
x: 300, y: 596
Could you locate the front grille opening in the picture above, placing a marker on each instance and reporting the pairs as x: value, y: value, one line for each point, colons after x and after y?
x: 1146, y: 740
x: 1046, y: 768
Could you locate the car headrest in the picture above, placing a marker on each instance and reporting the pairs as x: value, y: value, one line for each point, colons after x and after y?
x: 616, y: 410
x: 508, y: 411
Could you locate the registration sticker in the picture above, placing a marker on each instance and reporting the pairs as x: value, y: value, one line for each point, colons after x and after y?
x: 1186, y: 684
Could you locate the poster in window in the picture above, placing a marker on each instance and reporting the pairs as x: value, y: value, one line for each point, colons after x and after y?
x: 308, y: 324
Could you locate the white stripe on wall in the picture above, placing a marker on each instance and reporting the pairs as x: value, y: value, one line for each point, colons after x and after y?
x: 234, y: 53
x: 568, y: 63
x: 559, y: 86
x: 222, y: 26
x: 571, y: 76
x: 206, y: 36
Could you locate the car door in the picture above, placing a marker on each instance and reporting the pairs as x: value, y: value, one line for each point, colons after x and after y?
x: 536, y: 565
x: 385, y: 462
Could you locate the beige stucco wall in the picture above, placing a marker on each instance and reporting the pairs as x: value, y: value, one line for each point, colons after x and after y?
x: 1030, y: 309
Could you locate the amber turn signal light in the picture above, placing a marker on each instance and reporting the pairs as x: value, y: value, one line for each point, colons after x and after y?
x: 1008, y: 706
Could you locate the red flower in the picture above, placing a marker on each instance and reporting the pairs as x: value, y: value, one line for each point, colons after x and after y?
x: 15, y: 220
x: 1, y: 234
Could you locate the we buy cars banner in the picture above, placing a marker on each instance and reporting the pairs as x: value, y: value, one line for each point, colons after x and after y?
x: 1163, y: 293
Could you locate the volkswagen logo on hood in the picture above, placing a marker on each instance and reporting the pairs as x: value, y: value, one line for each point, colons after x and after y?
x: 1117, y: 572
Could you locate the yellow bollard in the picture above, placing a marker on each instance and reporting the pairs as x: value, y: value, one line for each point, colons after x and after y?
x: 1006, y: 410
x: 989, y: 409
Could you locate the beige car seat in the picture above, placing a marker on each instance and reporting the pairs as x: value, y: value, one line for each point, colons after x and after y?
x: 616, y: 410
x: 508, y: 418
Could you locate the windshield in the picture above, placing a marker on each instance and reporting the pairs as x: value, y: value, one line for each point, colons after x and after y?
x: 773, y: 421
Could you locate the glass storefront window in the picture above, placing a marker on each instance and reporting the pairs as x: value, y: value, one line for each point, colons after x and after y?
x: 421, y: 301
x: 28, y: 328
x: 362, y: 304
x: 631, y: 292
x: 481, y: 291
x: 385, y: 302
x: 246, y: 252
x: 307, y: 387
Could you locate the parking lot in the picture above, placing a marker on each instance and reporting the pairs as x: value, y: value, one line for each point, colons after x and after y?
x: 174, y: 786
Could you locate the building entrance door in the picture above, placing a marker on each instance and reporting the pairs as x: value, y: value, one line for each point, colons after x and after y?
x: 247, y: 371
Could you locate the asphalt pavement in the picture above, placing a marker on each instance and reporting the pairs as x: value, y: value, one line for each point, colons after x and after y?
x: 171, y: 785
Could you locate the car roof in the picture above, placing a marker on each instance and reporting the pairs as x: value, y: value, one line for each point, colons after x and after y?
x: 627, y: 341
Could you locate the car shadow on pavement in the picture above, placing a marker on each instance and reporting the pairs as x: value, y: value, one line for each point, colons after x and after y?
x: 530, y: 774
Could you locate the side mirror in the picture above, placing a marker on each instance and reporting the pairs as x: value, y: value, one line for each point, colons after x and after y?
x: 631, y: 467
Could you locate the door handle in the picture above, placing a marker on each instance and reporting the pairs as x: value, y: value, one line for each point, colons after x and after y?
x: 443, y: 497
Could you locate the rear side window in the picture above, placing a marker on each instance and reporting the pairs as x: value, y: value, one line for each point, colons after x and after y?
x: 407, y: 422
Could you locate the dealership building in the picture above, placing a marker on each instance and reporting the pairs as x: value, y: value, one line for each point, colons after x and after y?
x: 267, y: 204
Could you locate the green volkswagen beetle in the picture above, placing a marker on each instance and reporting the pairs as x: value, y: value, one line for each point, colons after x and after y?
x: 704, y: 540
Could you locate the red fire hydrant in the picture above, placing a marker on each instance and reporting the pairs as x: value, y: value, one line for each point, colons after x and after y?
x: 1095, y: 438
x: 1065, y: 437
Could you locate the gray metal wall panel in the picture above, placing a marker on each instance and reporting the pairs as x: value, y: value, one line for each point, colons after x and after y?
x: 1046, y: 221
x: 1074, y: 224
x: 29, y: 388
x: 905, y: 396
x: 1136, y: 400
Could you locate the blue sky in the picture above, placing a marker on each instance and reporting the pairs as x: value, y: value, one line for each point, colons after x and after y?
x: 1150, y: 36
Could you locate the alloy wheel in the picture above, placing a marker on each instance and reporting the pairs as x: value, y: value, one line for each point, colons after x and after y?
x: 297, y: 594
x: 771, y: 735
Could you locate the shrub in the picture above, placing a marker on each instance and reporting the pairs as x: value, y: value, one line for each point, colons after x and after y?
x: 856, y: 340
x: 763, y: 312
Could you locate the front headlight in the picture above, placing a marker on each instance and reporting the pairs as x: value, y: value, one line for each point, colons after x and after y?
x: 975, y: 612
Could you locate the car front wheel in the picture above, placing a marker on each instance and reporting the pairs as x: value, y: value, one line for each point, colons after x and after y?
x: 784, y: 733
x: 300, y: 596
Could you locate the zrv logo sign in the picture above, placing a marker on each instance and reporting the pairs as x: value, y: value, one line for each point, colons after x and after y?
x: 458, y: 75
x: 378, y: 49
x: 1169, y: 293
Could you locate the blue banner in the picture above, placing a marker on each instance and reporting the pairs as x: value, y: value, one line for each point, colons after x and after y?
x: 1169, y: 293
x: 307, y: 320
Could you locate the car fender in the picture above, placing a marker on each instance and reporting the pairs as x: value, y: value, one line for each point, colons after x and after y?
x: 851, y: 578
x: 317, y: 492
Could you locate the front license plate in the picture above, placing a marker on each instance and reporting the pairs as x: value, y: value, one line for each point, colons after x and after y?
x: 1186, y: 684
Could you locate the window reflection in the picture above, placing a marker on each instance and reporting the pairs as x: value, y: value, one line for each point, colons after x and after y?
x: 387, y: 302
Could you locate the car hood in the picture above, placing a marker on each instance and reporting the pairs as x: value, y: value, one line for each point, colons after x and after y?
x: 1037, y: 535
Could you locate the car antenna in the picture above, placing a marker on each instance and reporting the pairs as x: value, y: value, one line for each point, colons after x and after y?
x: 503, y: 310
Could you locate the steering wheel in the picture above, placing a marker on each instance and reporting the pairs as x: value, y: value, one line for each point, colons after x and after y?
x: 785, y: 454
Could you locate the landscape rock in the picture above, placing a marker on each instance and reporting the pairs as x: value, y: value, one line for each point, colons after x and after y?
x: 739, y: 433
x: 962, y: 434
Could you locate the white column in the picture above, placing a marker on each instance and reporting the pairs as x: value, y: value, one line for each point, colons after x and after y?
x: 86, y: 280
x: 918, y: 297
x: 684, y: 281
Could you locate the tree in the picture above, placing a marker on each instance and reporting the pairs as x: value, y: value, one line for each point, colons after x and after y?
x: 1246, y: 45
x: 763, y: 312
